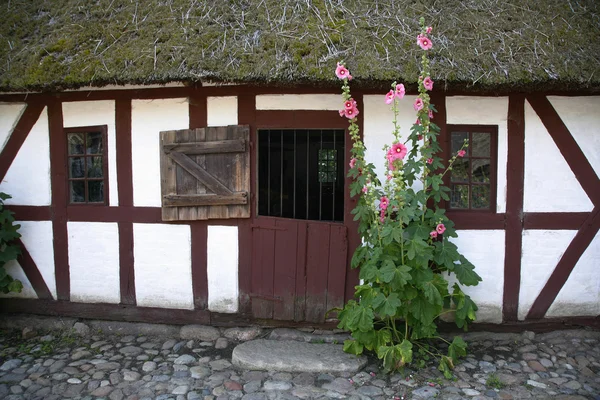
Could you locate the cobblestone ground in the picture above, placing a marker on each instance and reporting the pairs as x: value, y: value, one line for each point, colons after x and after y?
x: 87, y: 363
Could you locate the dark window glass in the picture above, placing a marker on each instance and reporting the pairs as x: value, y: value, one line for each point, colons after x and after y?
x: 87, y: 164
x: 472, y: 178
x: 301, y: 174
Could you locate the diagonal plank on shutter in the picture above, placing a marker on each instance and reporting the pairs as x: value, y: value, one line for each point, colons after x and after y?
x: 200, y: 173
x: 205, y: 173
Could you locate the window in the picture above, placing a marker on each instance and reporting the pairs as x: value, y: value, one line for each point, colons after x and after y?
x: 87, y: 165
x: 473, y: 177
x: 301, y: 174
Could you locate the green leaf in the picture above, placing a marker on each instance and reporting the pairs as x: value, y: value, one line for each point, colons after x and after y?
x: 405, y: 350
x: 362, y: 318
x: 15, y: 286
x: 386, y: 306
x: 397, y: 277
x: 422, y: 310
x: 387, y: 354
x: 465, y: 273
x: 446, y: 366
x: 353, y: 347
x: 458, y: 348
x: 432, y: 293
x: 465, y: 308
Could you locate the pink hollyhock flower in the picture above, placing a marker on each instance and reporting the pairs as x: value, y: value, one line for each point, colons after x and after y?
x: 440, y: 228
x: 400, y: 91
x: 418, y: 122
x: 461, y: 153
x: 428, y: 83
x: 350, y: 104
x: 353, y: 163
x: 424, y: 42
x: 389, y: 177
x: 391, y: 165
x: 342, y: 73
x: 430, y: 161
x: 430, y: 114
x: 420, y: 137
x: 342, y: 112
x: 389, y: 97
x: 433, y: 234
x: 398, y: 151
x: 384, y: 203
x: 365, y: 189
x: 382, y: 216
x: 428, y: 30
x: 349, y: 112
x: 418, y: 104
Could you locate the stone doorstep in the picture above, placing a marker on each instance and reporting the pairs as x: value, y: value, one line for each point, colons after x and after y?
x: 295, y: 356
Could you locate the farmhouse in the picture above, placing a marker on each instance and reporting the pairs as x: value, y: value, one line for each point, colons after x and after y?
x: 184, y: 161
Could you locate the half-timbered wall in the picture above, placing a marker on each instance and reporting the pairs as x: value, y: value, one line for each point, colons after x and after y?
x: 537, y: 253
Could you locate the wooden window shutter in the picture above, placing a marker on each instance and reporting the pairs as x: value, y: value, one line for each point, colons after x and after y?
x: 205, y: 173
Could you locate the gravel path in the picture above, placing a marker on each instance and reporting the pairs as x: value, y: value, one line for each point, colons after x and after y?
x: 87, y: 363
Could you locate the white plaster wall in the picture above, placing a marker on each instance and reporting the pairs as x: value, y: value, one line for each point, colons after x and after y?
x: 542, y: 249
x: 14, y: 269
x: 582, y: 116
x: 378, y: 128
x: 9, y: 116
x: 38, y: 240
x: 28, y: 178
x: 222, y: 268
x: 90, y: 113
x: 581, y: 293
x: 550, y: 185
x: 94, y: 262
x: 222, y: 111
x: 148, y: 119
x: 299, y: 102
x: 485, y: 249
x: 485, y: 111
x: 163, y: 265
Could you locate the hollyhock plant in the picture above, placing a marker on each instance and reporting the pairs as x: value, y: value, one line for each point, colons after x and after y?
x: 424, y: 42
x: 342, y: 73
x: 405, y: 255
x: 440, y: 228
x: 428, y: 83
x: 400, y: 91
x: 348, y: 104
x: 389, y: 97
x: 418, y: 104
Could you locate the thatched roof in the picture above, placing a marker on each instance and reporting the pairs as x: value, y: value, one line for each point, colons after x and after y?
x: 478, y: 44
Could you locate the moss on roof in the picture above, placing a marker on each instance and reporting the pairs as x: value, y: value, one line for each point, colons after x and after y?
x: 478, y: 44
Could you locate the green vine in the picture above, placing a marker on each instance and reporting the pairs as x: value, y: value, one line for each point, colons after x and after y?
x: 9, y: 250
x: 406, y: 256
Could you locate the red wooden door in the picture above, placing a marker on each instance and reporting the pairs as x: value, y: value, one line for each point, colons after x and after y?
x: 300, y: 226
x: 298, y: 268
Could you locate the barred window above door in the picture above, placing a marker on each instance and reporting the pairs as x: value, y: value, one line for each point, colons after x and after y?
x: 301, y: 173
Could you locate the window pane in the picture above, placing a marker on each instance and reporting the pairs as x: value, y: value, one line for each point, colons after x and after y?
x: 480, y: 196
x: 481, y: 171
x: 75, y: 141
x: 460, y: 170
x: 481, y: 144
x: 94, y: 167
x: 458, y: 139
x: 459, y: 196
x: 76, y: 167
x: 94, y: 143
x: 77, y: 189
x: 96, y: 191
